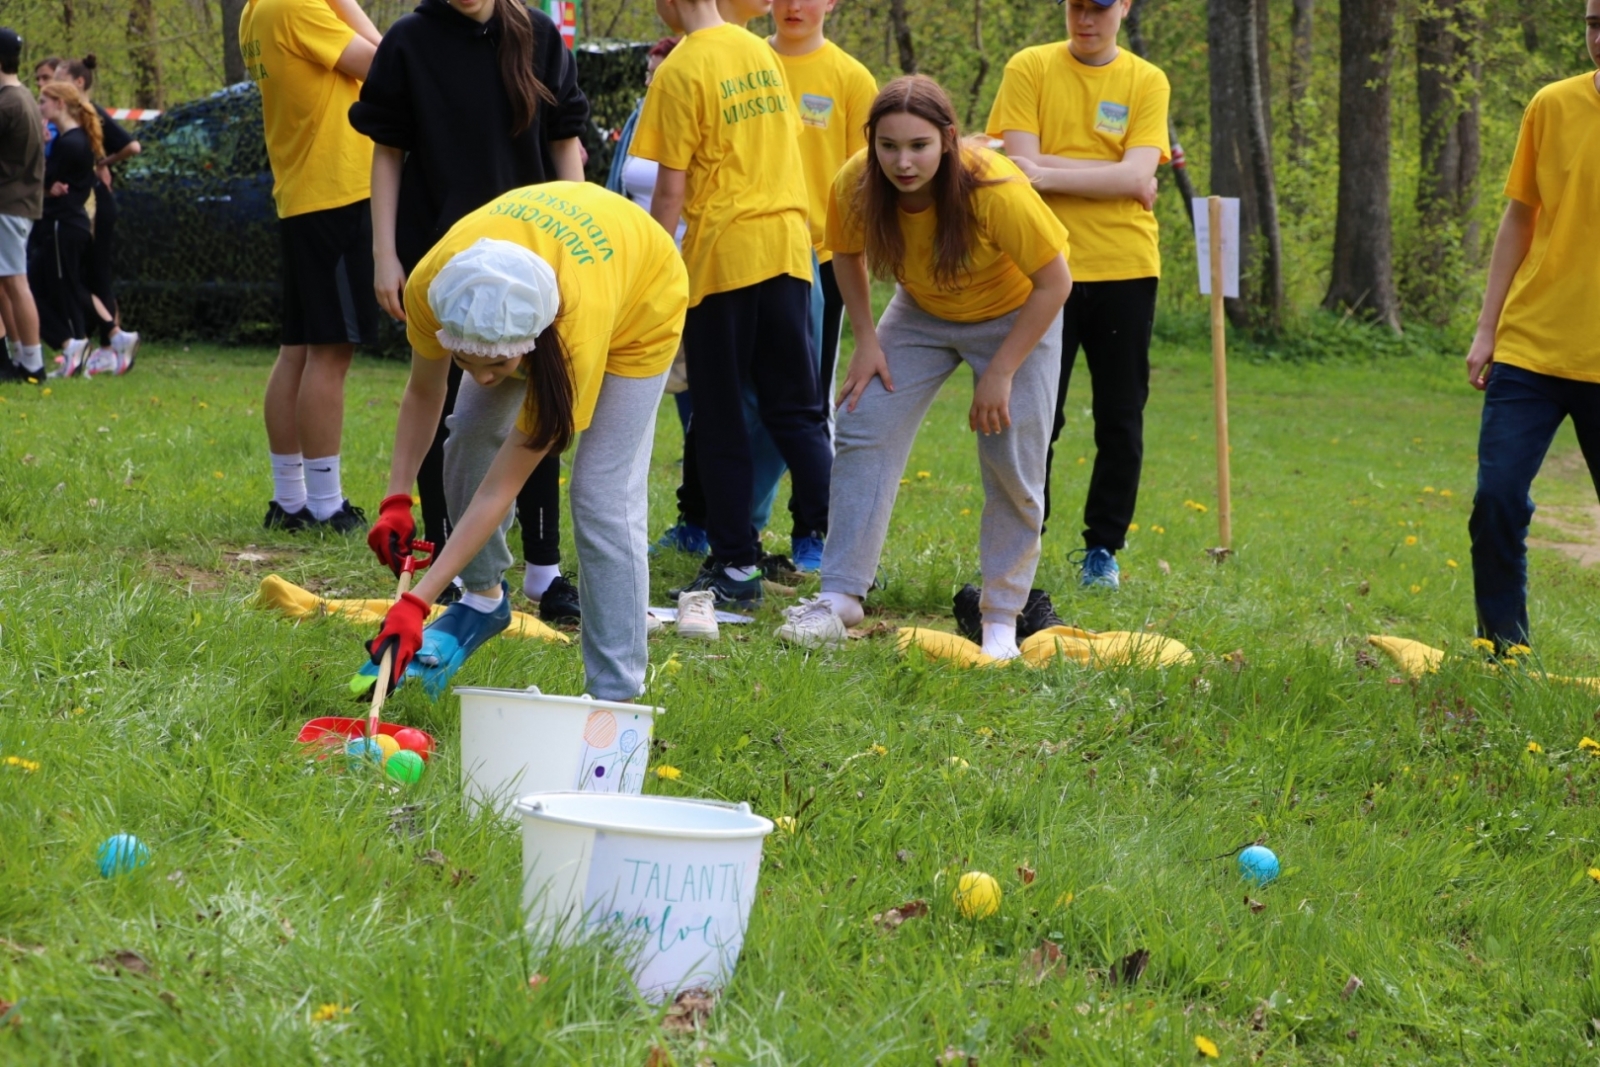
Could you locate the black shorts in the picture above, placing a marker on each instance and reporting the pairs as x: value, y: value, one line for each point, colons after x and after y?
x: 327, y: 277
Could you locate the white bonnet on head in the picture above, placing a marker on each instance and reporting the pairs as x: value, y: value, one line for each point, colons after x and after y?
x: 494, y: 299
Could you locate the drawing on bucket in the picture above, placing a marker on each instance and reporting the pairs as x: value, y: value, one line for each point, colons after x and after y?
x: 614, y: 753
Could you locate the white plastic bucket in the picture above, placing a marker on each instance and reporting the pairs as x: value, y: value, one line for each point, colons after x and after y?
x: 673, y: 879
x: 516, y: 741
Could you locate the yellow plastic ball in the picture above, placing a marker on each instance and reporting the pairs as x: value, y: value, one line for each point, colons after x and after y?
x: 977, y: 895
x: 389, y: 745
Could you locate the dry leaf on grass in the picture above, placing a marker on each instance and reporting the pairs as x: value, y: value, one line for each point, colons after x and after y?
x: 904, y: 855
x: 1163, y: 566
x: 891, y: 919
x: 689, y: 1010
x: 433, y: 858
x: 1236, y: 661
x: 1351, y: 986
x: 124, y: 960
x: 954, y: 1057
x: 250, y: 557
x: 170, y: 999
x: 1128, y: 970
x: 1258, y: 1018
x: 1219, y: 553
x: 658, y: 1057
x: 536, y: 981
x: 10, y: 1013
x: 877, y: 629
x: 1027, y: 875
x: 1255, y: 906
x: 1043, y: 962
x: 20, y: 950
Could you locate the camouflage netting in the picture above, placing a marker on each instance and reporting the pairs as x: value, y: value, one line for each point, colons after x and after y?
x: 197, y: 237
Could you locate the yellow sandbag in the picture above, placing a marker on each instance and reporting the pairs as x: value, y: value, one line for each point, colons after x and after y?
x: 1417, y: 659
x: 286, y: 598
x: 1111, y: 649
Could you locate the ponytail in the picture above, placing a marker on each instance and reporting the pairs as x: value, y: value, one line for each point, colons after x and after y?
x: 522, y: 85
x: 83, y: 112
x: 550, y: 398
x: 82, y: 70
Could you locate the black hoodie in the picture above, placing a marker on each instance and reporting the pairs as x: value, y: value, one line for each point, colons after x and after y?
x: 434, y: 92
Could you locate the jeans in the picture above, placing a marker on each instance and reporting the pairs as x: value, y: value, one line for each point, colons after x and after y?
x: 1521, y: 412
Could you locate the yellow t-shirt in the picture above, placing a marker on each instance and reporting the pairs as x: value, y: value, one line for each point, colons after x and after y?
x: 1551, y: 320
x: 1017, y: 235
x: 718, y: 108
x: 624, y: 290
x: 1085, y: 112
x: 318, y: 159
x: 833, y: 93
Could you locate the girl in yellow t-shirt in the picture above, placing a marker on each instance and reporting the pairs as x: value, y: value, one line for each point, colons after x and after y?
x: 579, y: 291
x: 982, y: 270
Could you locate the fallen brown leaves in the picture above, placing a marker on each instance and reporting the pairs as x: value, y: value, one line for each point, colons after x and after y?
x: 891, y: 919
x: 689, y: 1010
x: 1255, y: 906
x: 1046, y: 961
x: 954, y: 1057
x: 1351, y: 987
x: 124, y: 960
x: 1131, y: 967
x: 1026, y: 875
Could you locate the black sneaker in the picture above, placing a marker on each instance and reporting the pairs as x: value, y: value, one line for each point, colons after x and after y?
x: 560, y: 603
x: 729, y: 592
x: 348, y: 519
x: 279, y: 519
x: 1038, y: 614
x: 969, y: 617
x: 780, y: 569
x: 12, y: 371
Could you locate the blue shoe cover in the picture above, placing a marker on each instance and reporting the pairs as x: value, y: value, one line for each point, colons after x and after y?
x: 446, y: 643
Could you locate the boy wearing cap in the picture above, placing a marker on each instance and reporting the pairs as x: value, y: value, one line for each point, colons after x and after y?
x: 1087, y: 122
x: 21, y: 205
x: 719, y: 121
x: 1536, y: 355
x: 309, y: 65
x: 563, y: 305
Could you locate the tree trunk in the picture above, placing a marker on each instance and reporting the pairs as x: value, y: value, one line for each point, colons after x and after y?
x: 902, y: 36
x: 144, y: 50
x: 1447, y: 32
x: 983, y: 62
x: 1241, y: 157
x: 1299, y: 79
x: 233, y: 70
x: 1180, y: 168
x: 1363, y: 269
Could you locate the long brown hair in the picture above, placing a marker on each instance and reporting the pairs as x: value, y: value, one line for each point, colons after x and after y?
x: 82, y: 112
x: 550, y: 398
x: 516, y: 65
x: 877, y: 201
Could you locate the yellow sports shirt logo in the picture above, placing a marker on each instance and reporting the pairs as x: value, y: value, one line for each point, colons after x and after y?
x: 815, y: 110
x: 1111, y: 118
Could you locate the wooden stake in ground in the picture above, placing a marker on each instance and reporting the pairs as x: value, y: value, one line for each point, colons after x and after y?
x: 1219, y: 370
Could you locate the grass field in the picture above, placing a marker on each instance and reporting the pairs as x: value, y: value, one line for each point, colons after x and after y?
x: 1435, y: 834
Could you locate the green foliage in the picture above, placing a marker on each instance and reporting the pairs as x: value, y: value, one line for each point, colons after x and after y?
x: 1425, y: 850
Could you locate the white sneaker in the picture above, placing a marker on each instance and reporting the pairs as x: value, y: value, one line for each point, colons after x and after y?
x: 102, y: 361
x: 813, y: 624
x: 651, y: 623
x: 71, y: 360
x: 125, y: 345
x: 697, y: 614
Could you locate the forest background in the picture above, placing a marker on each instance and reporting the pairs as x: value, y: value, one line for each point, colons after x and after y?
x: 1367, y: 139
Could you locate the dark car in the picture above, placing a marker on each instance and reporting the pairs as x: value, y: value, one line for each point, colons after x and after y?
x: 197, y: 236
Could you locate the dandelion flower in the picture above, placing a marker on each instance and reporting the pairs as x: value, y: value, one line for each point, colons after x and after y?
x: 1446, y: 492
x: 905, y: 481
x: 958, y: 763
x: 1427, y: 489
x: 1535, y: 747
x: 1594, y: 873
x: 1082, y: 460
x: 216, y: 474
x: 1452, y: 564
x: 1064, y: 899
x: 1333, y: 440
x: 1411, y: 539
x: 878, y: 750
x: 1416, y: 440
x: 984, y: 731
x: 1416, y: 588
x: 326, y: 1013
x: 1195, y: 505
x: 924, y: 474
x: 786, y: 823
x: 966, y: 511
x: 1482, y: 644
x: 26, y: 764
x: 1589, y: 745
x: 673, y: 665
x: 561, y: 481
x: 204, y: 405
x: 1520, y: 650
x: 670, y: 773
x: 1158, y: 529
x: 1133, y: 527
x: 46, y: 391
x: 1206, y: 1046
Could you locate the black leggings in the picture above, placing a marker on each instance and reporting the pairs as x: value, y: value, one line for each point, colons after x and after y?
x: 1112, y: 321
x: 832, y: 319
x: 57, y: 255
x: 99, y: 266
x: 538, y: 505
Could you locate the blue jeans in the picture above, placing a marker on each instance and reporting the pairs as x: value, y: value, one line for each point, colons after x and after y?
x: 1521, y: 412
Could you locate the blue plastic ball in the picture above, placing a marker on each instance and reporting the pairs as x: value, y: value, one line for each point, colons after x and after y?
x: 363, y: 748
x: 1258, y: 864
x: 120, y: 854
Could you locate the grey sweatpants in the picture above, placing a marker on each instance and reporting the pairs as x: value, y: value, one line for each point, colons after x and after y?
x: 609, y: 500
x: 874, y: 442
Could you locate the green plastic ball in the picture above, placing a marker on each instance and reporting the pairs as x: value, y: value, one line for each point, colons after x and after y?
x: 404, y: 766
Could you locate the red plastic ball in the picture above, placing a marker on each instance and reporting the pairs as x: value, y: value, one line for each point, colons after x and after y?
x: 414, y: 741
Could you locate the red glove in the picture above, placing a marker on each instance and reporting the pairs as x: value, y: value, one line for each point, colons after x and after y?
x: 390, y: 537
x: 402, y: 630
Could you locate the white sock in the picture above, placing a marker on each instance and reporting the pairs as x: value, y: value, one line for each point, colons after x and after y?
x: 31, y: 357
x: 289, y: 481
x: 847, y: 607
x: 741, y: 574
x: 537, y: 578
x: 482, y: 602
x: 119, y: 334
x: 1000, y: 640
x: 323, y: 493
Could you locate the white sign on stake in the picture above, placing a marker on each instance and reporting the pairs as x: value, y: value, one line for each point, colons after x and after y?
x: 1230, y: 245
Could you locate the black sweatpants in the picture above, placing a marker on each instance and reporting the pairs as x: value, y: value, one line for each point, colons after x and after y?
x: 538, y: 505
x: 757, y: 334
x: 101, y: 261
x: 832, y: 319
x: 1112, y: 322
x: 58, y: 252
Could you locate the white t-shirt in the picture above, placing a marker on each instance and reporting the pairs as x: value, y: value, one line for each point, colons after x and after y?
x: 639, y: 185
